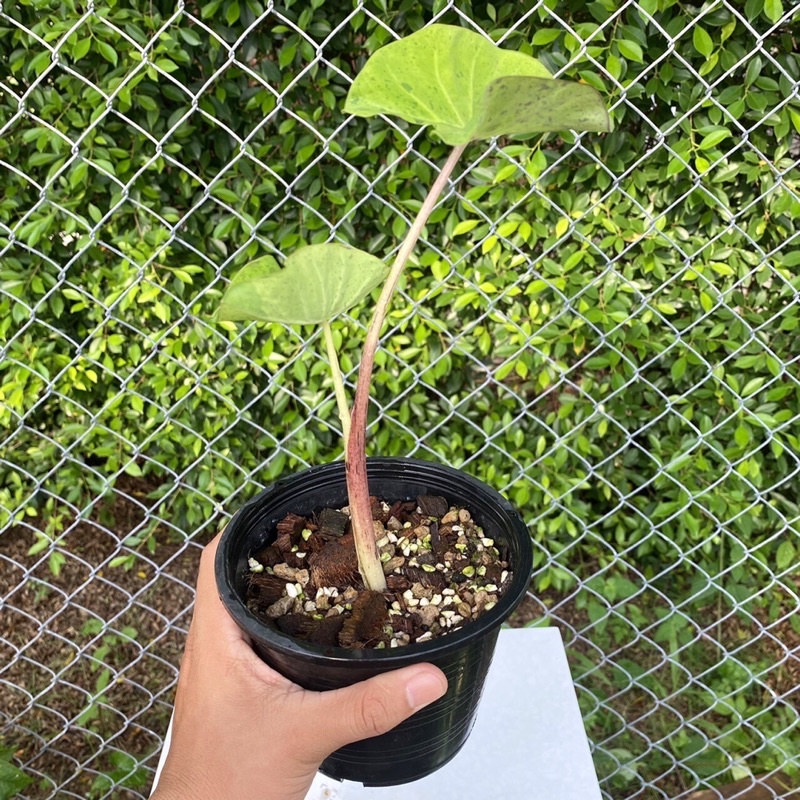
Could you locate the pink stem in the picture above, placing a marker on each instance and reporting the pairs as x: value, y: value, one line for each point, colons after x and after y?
x: 355, y: 455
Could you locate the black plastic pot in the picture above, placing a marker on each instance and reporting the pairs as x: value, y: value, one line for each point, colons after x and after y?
x: 432, y: 736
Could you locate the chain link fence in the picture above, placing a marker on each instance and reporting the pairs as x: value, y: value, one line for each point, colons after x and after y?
x: 667, y: 534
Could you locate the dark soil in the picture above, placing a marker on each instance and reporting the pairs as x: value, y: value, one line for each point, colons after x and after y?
x: 442, y: 572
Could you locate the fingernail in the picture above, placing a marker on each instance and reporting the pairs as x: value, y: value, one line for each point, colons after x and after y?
x: 423, y: 688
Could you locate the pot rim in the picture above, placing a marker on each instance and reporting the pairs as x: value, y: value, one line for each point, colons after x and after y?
x: 264, y: 634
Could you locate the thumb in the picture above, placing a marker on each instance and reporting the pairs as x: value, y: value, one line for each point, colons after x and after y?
x: 375, y: 706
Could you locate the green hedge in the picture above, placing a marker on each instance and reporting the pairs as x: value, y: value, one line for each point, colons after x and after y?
x: 571, y: 371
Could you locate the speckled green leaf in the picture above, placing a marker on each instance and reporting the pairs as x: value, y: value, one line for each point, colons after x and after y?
x: 466, y: 88
x: 532, y: 105
x: 318, y: 283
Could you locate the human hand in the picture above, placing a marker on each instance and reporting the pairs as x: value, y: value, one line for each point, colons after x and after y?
x: 241, y: 731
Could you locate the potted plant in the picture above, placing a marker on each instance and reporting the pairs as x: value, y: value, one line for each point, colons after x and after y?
x: 417, y: 545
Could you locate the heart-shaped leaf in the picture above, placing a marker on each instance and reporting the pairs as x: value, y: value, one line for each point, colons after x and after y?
x: 318, y: 283
x: 466, y: 88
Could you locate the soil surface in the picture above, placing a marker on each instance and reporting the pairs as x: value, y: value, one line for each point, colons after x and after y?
x: 442, y: 572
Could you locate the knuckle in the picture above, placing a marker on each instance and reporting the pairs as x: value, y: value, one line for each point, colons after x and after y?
x: 374, y: 713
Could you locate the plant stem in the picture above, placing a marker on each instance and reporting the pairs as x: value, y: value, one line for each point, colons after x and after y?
x: 356, y: 458
x: 338, y: 384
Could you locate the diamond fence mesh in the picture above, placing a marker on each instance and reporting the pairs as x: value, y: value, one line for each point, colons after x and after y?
x: 604, y: 328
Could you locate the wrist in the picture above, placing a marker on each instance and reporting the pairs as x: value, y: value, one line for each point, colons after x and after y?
x: 173, y: 786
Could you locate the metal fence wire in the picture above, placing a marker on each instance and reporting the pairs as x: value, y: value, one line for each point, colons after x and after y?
x: 666, y: 534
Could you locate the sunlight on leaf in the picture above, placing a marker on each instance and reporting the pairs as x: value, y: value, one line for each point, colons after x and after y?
x: 253, y: 270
